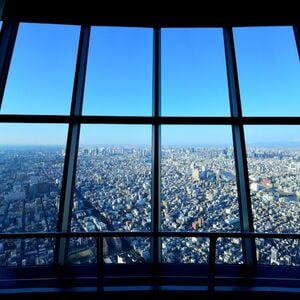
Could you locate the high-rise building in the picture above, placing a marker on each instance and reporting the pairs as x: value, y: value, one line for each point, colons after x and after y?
x: 274, y: 256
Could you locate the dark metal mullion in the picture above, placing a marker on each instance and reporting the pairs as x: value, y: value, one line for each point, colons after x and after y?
x: 69, y: 174
x: 7, y: 41
x: 10, y: 118
x: 150, y: 234
x: 156, y: 247
x: 13, y: 118
x: 154, y: 120
x: 100, y: 265
x: 2, y: 6
x: 297, y: 38
x: 212, y: 262
x: 246, y: 217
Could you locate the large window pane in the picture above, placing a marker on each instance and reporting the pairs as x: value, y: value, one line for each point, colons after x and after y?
x: 194, y: 79
x: 185, y: 250
x: 31, y: 167
x: 119, y: 72
x: 26, y: 252
x: 198, y: 181
x: 229, y: 251
x: 133, y: 250
x: 278, y: 252
x: 198, y: 185
x: 273, y: 154
x: 113, y: 184
x: 41, y: 75
x: 269, y: 71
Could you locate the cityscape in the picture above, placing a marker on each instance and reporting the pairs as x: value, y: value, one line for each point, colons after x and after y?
x: 113, y: 192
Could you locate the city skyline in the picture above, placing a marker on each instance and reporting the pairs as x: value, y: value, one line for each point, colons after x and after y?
x: 141, y: 135
x: 113, y: 192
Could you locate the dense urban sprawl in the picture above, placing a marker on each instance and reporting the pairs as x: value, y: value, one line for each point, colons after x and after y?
x: 113, y: 192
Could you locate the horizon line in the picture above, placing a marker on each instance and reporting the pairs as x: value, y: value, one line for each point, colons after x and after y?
x: 252, y: 144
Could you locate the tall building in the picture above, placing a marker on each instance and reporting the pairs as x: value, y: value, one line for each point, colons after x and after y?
x: 274, y: 256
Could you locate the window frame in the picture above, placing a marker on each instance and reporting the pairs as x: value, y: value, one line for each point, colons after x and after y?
x: 236, y: 120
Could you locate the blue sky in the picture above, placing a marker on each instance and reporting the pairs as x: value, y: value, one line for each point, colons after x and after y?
x: 119, y: 81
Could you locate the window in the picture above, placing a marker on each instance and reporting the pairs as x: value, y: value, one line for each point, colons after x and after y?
x: 159, y: 137
x: 272, y: 155
x: 268, y: 67
x: 193, y: 73
x: 113, y: 189
x: 32, y: 159
x: 42, y: 69
x: 119, y: 72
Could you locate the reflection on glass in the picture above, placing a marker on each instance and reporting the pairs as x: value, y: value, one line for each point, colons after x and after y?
x: 31, y: 166
x: 41, y: 75
x: 185, y: 250
x: 278, y: 252
x: 193, y: 69
x: 119, y: 72
x: 269, y: 71
x: 229, y: 251
x: 113, y: 183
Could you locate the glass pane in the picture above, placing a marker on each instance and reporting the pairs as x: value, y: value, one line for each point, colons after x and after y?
x: 269, y: 71
x: 116, y: 250
x: 273, y: 154
x: 26, y: 252
x: 132, y: 250
x: 31, y: 167
x: 185, y: 250
x: 113, y: 182
x: 119, y: 72
x: 82, y: 251
x: 41, y: 75
x: 229, y: 251
x: 198, y: 179
x: 194, y: 81
x: 278, y: 252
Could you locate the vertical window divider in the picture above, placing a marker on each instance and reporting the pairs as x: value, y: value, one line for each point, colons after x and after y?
x: 7, y: 42
x: 69, y: 172
x: 240, y: 155
x: 297, y: 38
x: 156, y: 148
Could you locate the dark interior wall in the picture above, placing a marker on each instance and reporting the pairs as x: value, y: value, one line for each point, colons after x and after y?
x: 204, y: 13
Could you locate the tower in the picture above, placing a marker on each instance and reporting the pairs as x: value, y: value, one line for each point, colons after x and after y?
x: 274, y: 256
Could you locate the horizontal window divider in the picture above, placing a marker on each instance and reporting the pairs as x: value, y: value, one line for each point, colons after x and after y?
x: 162, y: 120
x: 196, y: 120
x: 149, y: 234
x: 270, y: 120
x: 152, y: 120
x: 115, y: 120
x: 9, y: 118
